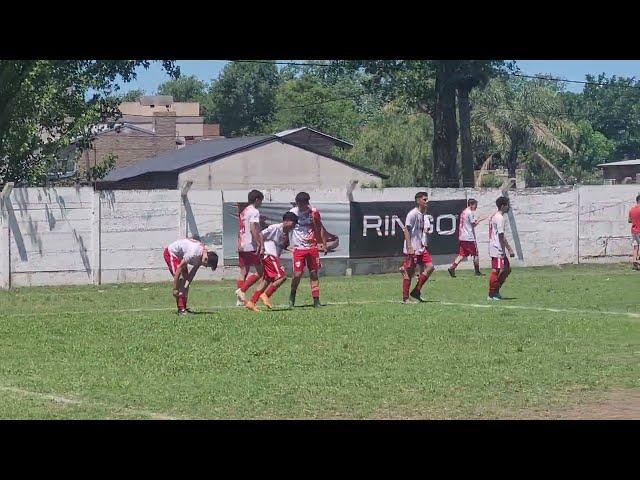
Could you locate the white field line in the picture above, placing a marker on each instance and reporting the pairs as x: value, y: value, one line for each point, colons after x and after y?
x: 70, y: 401
x: 20, y: 293
x: 500, y: 305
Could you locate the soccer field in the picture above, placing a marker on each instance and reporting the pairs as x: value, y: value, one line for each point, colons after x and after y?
x: 563, y: 338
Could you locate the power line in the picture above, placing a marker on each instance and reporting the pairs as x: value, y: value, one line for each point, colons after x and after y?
x: 536, y: 77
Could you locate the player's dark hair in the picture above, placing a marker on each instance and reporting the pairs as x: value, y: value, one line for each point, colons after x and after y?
x: 212, y: 260
x: 290, y: 216
x: 502, y: 201
x: 472, y: 201
x: 303, y: 197
x: 638, y: 199
x: 255, y: 195
x: 421, y: 194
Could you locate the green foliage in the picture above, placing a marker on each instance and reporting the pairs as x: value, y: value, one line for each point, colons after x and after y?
x: 307, y: 102
x: 132, y: 95
x: 44, y: 107
x: 491, y: 181
x: 243, y: 98
x: 395, y: 142
x: 184, y: 89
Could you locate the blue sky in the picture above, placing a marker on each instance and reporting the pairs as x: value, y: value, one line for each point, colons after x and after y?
x: 148, y: 80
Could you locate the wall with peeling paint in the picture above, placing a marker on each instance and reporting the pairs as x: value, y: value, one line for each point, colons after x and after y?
x: 78, y: 236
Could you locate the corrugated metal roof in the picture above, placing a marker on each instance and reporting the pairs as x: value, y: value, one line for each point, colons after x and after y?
x: 187, y: 157
x: 621, y: 163
x: 335, y: 140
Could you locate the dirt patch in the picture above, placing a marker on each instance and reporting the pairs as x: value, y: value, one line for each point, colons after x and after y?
x: 613, y: 405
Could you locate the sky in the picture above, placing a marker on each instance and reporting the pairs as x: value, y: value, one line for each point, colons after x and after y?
x: 206, y: 70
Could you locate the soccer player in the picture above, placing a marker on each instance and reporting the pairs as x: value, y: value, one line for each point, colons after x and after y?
x: 180, y: 254
x: 275, y: 239
x: 634, y: 220
x: 304, y: 239
x: 249, y: 244
x: 416, y: 227
x: 467, y: 243
x: 500, y: 268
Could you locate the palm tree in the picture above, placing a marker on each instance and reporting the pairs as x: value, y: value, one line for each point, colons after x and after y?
x: 522, y: 116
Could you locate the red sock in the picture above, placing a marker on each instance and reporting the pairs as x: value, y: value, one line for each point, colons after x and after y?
x: 315, y: 291
x: 251, y: 279
x: 180, y: 301
x: 256, y: 296
x: 239, y: 283
x: 494, y: 283
x: 270, y: 290
x: 406, y: 283
x: 421, y: 281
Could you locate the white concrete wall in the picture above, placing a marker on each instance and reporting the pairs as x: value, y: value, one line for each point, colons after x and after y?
x: 50, y: 236
x: 61, y: 236
x: 135, y: 226
x: 605, y: 234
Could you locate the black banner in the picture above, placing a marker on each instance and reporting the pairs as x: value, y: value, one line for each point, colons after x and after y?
x: 376, y: 227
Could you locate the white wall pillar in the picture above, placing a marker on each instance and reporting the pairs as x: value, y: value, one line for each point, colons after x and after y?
x: 96, y: 240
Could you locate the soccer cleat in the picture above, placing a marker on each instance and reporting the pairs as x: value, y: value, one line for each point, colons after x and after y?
x: 316, y: 303
x: 406, y: 301
x: 498, y: 296
x: 266, y: 301
x: 183, y: 312
x: 480, y: 274
x: 251, y: 306
x: 493, y: 298
x: 240, y: 295
x: 417, y: 296
x: 452, y: 272
x: 292, y: 300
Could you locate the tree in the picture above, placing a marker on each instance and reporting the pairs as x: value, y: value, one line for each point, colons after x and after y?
x: 242, y: 99
x: 132, y: 95
x: 612, y: 107
x: 305, y: 101
x: 472, y: 74
x: 44, y: 106
x: 184, y: 89
x: 393, y: 142
x: 431, y: 87
x: 522, y: 117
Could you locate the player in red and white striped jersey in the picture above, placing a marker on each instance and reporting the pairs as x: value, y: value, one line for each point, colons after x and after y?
x: 467, y: 243
x: 249, y: 244
x: 500, y: 267
x: 304, y: 239
x: 275, y: 239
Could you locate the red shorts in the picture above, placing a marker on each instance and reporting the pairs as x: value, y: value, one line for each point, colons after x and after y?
x: 410, y: 261
x: 500, y: 263
x: 248, y: 259
x: 467, y: 248
x: 273, y: 269
x: 306, y: 256
x: 173, y: 262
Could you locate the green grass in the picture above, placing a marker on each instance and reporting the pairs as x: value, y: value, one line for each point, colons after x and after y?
x: 367, y: 360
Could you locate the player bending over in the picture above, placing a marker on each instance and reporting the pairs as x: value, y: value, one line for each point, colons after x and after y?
x: 180, y: 254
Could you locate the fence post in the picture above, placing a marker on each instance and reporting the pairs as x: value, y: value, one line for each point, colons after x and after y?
x: 96, y: 238
x: 576, y: 248
x: 182, y: 222
x: 5, y: 239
